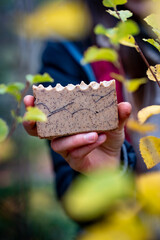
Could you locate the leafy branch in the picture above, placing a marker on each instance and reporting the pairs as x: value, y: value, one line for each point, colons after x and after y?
x: 123, y: 33
x: 18, y: 91
x: 139, y: 50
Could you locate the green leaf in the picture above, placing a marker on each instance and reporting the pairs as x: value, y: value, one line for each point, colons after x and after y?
x: 122, y: 33
x: 3, y: 130
x: 124, y: 14
x: 17, y: 85
x: 34, y: 114
x: 94, y: 194
x: 108, y: 32
x: 153, y: 42
x: 113, y: 3
x: 33, y: 79
x: 100, y: 29
x: 125, y: 29
x: 98, y: 54
x: 3, y: 88
x: 13, y: 89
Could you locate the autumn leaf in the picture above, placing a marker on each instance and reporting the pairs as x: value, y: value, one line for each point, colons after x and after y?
x: 132, y: 85
x: 153, y: 42
x: 156, y: 71
x: 128, y: 41
x: 148, y: 186
x: 118, y: 77
x: 147, y: 112
x: 142, y: 129
x: 124, y: 224
x: 153, y: 20
x: 150, y: 150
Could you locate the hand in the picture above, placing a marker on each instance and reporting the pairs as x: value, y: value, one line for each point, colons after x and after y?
x: 89, y: 151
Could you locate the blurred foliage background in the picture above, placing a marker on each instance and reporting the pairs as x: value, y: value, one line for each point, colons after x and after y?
x: 28, y: 205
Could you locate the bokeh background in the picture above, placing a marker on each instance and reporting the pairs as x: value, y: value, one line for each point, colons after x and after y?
x: 28, y: 205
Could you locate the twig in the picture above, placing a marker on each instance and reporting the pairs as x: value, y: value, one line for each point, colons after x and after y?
x: 17, y: 110
x: 146, y: 62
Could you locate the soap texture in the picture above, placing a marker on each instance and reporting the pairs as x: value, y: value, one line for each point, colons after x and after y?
x: 76, y: 108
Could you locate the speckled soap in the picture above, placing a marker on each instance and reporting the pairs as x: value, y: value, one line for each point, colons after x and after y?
x: 76, y: 108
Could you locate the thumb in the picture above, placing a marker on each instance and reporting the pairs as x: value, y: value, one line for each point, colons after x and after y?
x: 124, y: 111
x: 28, y: 101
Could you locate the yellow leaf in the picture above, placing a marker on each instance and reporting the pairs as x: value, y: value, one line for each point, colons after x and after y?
x: 128, y: 41
x: 136, y: 126
x: 148, y: 191
x: 118, y: 77
x: 133, y: 84
x: 147, y: 112
x: 150, y: 150
x: 105, y: 187
x: 122, y: 225
x: 64, y: 19
x: 156, y: 71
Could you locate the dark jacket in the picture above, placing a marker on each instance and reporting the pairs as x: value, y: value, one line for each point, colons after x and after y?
x: 62, y: 60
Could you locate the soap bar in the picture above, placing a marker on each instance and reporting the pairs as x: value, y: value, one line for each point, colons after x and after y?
x: 76, y: 108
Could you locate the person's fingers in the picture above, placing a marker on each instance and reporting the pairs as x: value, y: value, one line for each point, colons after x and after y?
x: 81, y: 152
x: 124, y: 111
x: 28, y: 101
x: 30, y: 127
x: 72, y: 142
x: 76, y: 157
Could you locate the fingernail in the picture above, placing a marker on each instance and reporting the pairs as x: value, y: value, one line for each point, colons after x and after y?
x: 90, y: 137
x: 101, y: 138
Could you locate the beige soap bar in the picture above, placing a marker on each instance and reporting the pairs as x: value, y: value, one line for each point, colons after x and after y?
x: 76, y: 108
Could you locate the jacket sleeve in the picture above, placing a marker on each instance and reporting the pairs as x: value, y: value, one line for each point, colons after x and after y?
x: 128, y: 157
